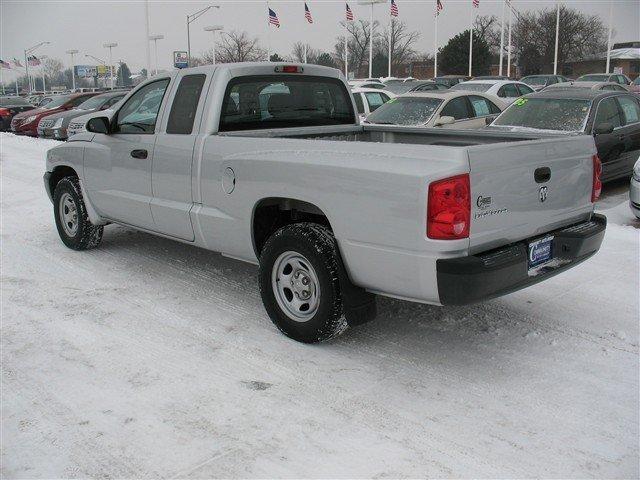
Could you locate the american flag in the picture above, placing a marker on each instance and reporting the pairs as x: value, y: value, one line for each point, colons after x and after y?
x: 4, y: 64
x: 16, y: 62
x: 476, y: 3
x: 394, y: 8
x: 349, y: 13
x: 273, y: 18
x: 307, y: 13
x: 33, y: 61
x: 439, y: 7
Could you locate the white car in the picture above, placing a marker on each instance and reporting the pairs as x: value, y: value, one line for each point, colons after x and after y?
x: 377, y: 85
x: 506, y: 90
x: 369, y: 99
x: 634, y: 190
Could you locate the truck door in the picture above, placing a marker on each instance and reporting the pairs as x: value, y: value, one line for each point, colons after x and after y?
x: 172, y: 161
x: 117, y: 166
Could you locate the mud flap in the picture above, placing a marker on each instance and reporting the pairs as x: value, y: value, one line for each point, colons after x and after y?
x: 359, y: 305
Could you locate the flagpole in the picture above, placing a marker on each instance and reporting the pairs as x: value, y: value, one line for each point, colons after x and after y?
x: 346, y: 50
x: 502, y: 37
x: 509, y: 41
x: 471, y: 39
x: 390, y: 27
x: 371, y: 42
x: 609, y: 38
x: 435, y: 43
x: 555, y: 55
x: 268, y: 33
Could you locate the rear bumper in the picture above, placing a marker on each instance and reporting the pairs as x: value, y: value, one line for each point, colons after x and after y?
x: 467, y: 280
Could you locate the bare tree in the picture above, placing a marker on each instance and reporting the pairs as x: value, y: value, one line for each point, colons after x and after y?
x: 487, y: 27
x: 402, y: 43
x: 581, y: 35
x: 358, y: 44
x: 236, y: 46
x: 298, y: 53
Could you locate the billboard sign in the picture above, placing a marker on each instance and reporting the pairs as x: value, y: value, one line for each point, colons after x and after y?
x: 86, y: 71
x: 180, y: 60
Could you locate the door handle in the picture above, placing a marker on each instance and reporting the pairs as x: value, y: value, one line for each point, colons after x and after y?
x: 542, y: 174
x: 139, y: 154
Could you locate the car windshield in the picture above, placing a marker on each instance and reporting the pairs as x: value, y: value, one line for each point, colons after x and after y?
x: 593, y: 78
x: 564, y: 114
x: 637, y: 81
x: 534, y: 80
x: 6, y: 101
x: 57, y: 101
x: 405, y: 111
x: 93, y: 103
x: 472, y: 87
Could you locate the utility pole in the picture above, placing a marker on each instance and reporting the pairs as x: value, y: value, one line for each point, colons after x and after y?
x: 155, y: 39
x: 191, y: 18
x: 213, y: 29
x: 110, y: 46
x: 73, y: 68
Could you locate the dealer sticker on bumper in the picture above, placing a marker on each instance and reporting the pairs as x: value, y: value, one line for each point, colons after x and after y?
x: 540, y: 251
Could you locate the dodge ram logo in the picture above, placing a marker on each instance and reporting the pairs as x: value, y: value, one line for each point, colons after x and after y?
x: 542, y: 194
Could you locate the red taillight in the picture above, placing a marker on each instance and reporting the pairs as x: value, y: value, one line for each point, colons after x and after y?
x: 449, y: 208
x: 4, y: 112
x: 288, y: 69
x: 597, y: 179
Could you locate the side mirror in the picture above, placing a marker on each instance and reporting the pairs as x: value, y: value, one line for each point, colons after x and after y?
x: 603, y: 128
x: 98, y: 125
x: 444, y: 121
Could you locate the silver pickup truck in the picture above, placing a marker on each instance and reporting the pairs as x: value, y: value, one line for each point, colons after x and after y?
x: 267, y: 163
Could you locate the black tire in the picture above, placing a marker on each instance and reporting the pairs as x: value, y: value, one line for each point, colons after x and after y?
x: 317, y: 245
x: 85, y: 235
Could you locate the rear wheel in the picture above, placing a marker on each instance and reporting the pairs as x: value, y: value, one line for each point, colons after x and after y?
x: 74, y: 227
x: 299, y: 282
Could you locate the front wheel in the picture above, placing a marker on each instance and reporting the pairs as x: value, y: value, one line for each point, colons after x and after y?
x: 299, y: 282
x: 74, y: 227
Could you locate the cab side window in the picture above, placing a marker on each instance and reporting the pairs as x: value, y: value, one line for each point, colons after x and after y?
x: 185, y: 105
x: 608, y: 113
x: 140, y: 112
x: 456, y: 108
x: 630, y: 109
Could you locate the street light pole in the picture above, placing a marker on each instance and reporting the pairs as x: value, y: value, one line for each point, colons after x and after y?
x: 155, y: 39
x: 44, y: 87
x: 110, y: 46
x: 371, y: 3
x: 213, y: 29
x: 191, y: 18
x: 73, y: 68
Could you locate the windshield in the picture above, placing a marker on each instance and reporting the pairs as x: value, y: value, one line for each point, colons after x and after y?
x: 564, y: 114
x: 593, y: 78
x: 93, y: 103
x: 405, y: 111
x: 637, y: 81
x: 57, y: 101
x: 5, y: 101
x: 472, y: 87
x: 534, y: 80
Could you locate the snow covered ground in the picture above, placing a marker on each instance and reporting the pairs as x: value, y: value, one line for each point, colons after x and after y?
x: 149, y: 358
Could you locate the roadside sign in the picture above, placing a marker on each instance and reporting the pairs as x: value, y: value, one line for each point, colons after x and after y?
x: 617, y: 70
x: 86, y: 71
x: 180, y: 59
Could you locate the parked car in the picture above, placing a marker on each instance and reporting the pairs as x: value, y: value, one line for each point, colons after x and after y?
x: 450, y: 80
x: 507, y: 90
x: 56, y: 125
x: 446, y: 109
x: 427, y: 86
x: 9, y: 107
x: 635, y: 86
x: 369, y: 99
x: 538, y: 82
x: 492, y: 77
x: 612, y: 118
x: 589, y: 85
x: 605, y: 77
x: 377, y: 85
x: 634, y: 190
x: 331, y: 211
x: 26, y: 123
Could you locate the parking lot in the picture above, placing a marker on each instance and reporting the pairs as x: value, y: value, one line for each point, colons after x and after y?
x: 148, y: 358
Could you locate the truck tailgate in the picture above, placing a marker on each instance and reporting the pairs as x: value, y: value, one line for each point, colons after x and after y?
x: 512, y: 198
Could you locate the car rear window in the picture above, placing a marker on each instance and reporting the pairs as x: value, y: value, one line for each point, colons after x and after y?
x: 594, y: 78
x: 185, y: 104
x: 472, y: 87
x: 405, y: 111
x: 534, y: 80
x: 565, y: 114
x: 283, y: 101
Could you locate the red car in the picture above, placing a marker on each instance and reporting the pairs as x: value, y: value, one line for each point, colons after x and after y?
x: 26, y: 123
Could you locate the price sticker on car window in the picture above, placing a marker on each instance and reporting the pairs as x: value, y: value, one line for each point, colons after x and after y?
x: 521, y: 101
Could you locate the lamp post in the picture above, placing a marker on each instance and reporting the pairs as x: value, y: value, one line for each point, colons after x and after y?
x: 371, y: 3
x: 213, y: 29
x: 110, y: 46
x: 73, y: 68
x: 155, y: 39
x: 44, y: 87
x: 191, y: 18
x: 26, y: 59
x: 100, y: 62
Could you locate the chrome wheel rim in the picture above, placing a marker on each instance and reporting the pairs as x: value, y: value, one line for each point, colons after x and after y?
x: 296, y: 287
x: 68, y: 214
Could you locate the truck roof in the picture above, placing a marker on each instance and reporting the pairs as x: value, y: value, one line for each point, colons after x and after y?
x: 264, y: 68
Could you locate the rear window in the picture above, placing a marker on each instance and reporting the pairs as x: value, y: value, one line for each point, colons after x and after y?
x: 537, y: 81
x: 405, y: 111
x: 594, y: 78
x: 565, y: 114
x: 283, y: 101
x: 472, y: 87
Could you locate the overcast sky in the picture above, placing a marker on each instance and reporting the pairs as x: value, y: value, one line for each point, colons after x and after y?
x: 87, y: 25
